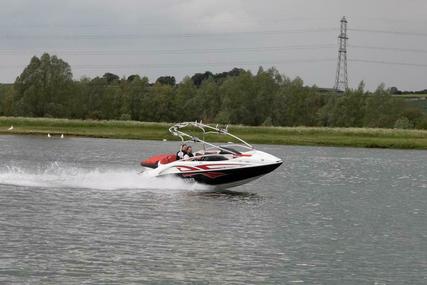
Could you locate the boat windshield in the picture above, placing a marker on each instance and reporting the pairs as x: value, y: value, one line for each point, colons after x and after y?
x: 235, y: 148
x: 228, y: 149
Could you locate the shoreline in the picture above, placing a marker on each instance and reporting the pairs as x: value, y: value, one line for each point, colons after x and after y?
x: 310, y: 136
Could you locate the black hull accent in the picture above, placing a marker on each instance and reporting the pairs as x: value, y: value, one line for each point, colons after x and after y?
x: 149, y: 165
x: 229, y: 176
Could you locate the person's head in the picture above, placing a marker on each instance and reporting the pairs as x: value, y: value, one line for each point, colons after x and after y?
x: 189, y: 149
x: 183, y: 147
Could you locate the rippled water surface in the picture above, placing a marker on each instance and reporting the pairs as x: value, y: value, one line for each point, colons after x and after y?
x: 75, y: 211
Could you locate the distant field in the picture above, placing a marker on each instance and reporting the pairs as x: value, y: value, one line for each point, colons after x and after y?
x: 415, y: 100
x: 354, y: 137
x: 418, y: 102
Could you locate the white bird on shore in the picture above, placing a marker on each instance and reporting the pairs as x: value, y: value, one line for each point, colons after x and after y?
x: 11, y: 128
x: 48, y: 135
x: 62, y: 136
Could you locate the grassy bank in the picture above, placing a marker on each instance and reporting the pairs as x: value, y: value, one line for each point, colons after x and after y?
x: 355, y: 137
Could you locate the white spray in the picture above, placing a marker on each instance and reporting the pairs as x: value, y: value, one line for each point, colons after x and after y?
x: 58, y: 176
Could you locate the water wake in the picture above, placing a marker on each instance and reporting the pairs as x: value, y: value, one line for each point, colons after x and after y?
x: 57, y: 176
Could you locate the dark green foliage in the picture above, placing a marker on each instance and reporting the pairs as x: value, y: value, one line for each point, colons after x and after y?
x: 415, y: 116
x: 132, y: 77
x: 7, y: 94
x: 110, y: 77
x: 198, y: 78
x: 223, y: 75
x: 166, y: 80
x: 46, y: 89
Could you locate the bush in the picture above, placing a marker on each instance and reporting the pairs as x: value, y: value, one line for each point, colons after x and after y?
x: 125, y: 117
x: 422, y: 124
x: 403, y: 123
x: 268, y: 122
x: 95, y: 115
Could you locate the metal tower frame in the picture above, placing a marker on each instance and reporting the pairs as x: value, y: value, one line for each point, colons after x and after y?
x: 341, y: 79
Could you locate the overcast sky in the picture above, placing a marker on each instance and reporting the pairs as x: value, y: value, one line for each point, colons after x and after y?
x: 181, y: 37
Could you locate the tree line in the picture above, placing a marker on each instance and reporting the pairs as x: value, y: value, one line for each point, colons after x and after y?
x: 396, y: 91
x: 46, y: 88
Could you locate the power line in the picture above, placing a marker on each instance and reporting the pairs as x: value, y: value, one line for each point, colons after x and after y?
x: 390, y: 48
x: 242, y: 63
x: 167, y: 65
x: 174, y: 35
x: 391, y: 32
x: 195, y: 64
x: 175, y: 51
x: 164, y: 23
x: 202, y: 51
x: 196, y: 35
x: 237, y: 63
x: 388, y: 62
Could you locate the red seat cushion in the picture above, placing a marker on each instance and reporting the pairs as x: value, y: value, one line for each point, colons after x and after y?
x: 163, y: 158
x: 168, y: 159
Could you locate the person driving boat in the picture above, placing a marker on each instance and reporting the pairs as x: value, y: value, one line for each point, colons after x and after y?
x: 189, y: 152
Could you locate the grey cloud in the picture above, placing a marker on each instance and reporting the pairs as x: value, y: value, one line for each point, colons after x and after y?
x: 39, y: 23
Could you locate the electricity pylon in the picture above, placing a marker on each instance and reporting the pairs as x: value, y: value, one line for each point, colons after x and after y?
x: 341, y: 79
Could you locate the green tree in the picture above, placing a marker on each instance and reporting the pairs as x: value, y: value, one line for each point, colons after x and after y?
x: 78, y: 103
x: 237, y: 99
x: 110, y: 77
x: 43, y: 88
x: 185, y: 106
x: 167, y: 80
x: 198, y: 78
x: 347, y: 110
x: 157, y: 104
x: 7, y: 95
x: 382, y: 110
x: 208, y: 100
x: 299, y: 105
x: 137, y: 89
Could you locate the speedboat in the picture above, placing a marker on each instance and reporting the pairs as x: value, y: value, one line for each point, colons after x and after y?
x: 220, y: 166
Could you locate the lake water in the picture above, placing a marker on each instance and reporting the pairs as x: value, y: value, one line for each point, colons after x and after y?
x: 75, y: 211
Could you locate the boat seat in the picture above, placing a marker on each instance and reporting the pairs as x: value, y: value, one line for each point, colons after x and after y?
x: 168, y: 159
x: 153, y: 161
